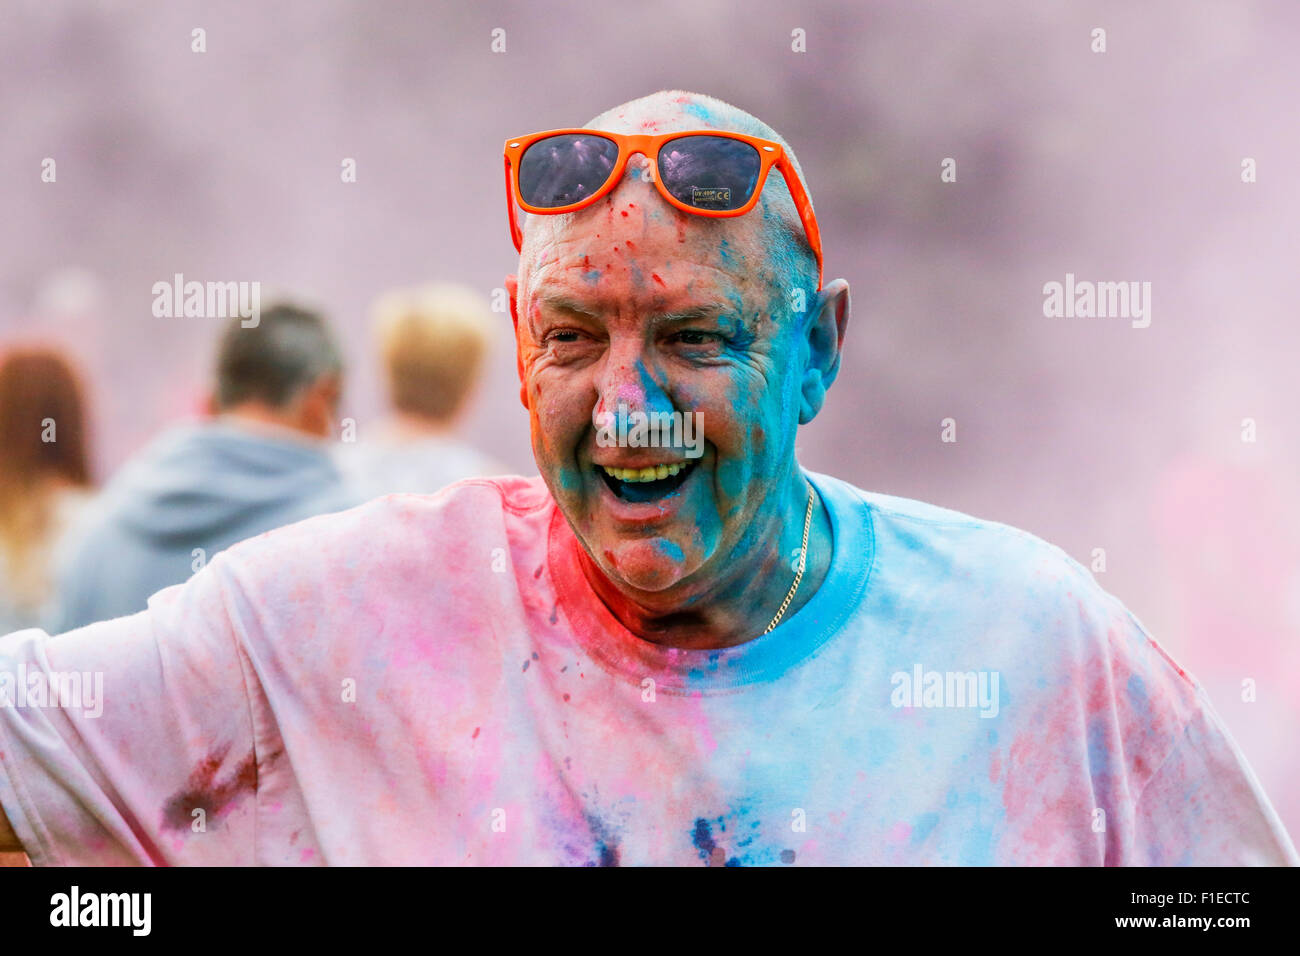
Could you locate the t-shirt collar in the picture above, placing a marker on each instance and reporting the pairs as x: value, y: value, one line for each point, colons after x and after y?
x: 681, y: 671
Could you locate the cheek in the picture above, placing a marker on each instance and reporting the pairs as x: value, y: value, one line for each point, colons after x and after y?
x: 743, y: 424
x: 737, y: 419
x: 561, y: 413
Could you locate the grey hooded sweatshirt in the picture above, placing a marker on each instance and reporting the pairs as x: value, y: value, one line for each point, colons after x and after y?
x: 192, y: 492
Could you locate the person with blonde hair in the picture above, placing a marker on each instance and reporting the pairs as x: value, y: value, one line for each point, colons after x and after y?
x: 44, y: 478
x: 432, y: 341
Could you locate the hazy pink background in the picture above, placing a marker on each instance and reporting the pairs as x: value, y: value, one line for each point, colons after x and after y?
x: 1116, y: 166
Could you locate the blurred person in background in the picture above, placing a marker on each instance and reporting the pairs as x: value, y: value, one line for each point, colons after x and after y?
x: 432, y: 341
x: 260, y: 462
x: 44, y: 479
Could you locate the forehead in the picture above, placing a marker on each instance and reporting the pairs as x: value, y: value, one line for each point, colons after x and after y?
x: 681, y: 113
x: 632, y: 243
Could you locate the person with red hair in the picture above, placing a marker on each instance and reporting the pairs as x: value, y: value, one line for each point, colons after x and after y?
x: 44, y: 478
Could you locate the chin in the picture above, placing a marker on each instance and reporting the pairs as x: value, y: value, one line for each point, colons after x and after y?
x: 644, y: 564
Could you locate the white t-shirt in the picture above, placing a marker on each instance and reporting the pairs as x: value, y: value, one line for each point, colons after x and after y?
x: 390, y: 463
x: 430, y: 680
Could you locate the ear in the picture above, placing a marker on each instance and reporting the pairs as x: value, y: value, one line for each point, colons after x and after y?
x: 823, y: 346
x: 319, y: 405
x: 512, y: 288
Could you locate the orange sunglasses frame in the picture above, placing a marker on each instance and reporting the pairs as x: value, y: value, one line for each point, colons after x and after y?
x: 770, y: 154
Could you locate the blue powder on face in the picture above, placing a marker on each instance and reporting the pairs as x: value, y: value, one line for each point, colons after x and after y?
x: 700, y: 111
x: 731, y: 476
x: 570, y: 480
x: 673, y: 552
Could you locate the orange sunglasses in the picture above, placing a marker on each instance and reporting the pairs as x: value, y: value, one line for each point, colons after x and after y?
x: 707, y: 172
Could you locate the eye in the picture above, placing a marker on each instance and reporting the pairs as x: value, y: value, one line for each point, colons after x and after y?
x: 697, y: 337
x: 566, y: 344
x: 697, y: 343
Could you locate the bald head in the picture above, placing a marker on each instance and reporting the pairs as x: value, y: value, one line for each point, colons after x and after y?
x: 788, y: 260
x: 631, y: 309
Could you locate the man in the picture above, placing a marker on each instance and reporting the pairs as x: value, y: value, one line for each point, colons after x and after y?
x: 676, y: 653
x: 432, y: 341
x: 259, y: 463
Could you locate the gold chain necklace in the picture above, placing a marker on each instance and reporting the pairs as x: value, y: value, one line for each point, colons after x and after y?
x: 803, y: 558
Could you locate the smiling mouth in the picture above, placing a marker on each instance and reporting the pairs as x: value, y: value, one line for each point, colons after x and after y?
x: 645, y: 484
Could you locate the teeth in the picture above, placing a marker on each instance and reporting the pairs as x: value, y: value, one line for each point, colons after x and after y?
x: 653, y: 473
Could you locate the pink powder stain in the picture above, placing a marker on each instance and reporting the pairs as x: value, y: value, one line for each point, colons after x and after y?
x: 700, y: 721
x: 1132, y: 707
x: 1018, y: 788
x: 306, y: 856
x: 899, y: 833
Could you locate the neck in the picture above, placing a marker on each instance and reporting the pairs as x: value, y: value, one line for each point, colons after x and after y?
x: 741, y: 606
x: 267, y: 421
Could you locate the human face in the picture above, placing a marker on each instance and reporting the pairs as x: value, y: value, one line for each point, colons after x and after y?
x: 633, y: 307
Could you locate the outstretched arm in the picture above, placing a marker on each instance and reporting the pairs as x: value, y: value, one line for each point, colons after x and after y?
x: 124, y: 725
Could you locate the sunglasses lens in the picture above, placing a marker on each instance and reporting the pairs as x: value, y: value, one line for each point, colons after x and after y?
x: 709, y: 172
x: 565, y: 169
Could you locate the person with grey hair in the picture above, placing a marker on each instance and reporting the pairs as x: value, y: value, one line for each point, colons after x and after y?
x: 257, y: 463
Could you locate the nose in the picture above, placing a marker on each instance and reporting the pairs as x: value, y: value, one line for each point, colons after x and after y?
x: 628, y: 385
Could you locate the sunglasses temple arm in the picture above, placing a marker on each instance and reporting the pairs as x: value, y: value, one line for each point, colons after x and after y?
x: 515, y: 233
x: 804, y: 206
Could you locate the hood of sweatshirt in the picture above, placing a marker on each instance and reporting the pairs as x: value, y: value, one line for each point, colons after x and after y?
x: 214, y: 478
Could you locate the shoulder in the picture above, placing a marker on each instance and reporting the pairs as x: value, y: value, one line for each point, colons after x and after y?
x: 394, y: 563
x: 1085, y: 686
x: 392, y: 516
x: 1025, y: 592
x: 397, y: 534
x: 957, y: 549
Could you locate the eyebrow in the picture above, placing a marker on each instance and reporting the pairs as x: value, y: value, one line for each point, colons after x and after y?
x: 561, y: 303
x: 685, y: 315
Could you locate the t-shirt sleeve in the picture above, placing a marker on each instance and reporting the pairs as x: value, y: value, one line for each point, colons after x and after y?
x: 1205, y: 807
x: 132, y: 740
